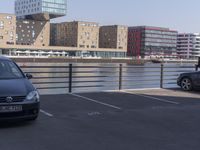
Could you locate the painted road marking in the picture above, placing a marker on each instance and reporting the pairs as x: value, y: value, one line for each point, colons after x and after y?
x: 151, y: 97
x: 46, y: 113
x: 98, y: 102
x: 143, y: 89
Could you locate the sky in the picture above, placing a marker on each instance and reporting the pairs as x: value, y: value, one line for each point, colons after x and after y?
x: 181, y: 15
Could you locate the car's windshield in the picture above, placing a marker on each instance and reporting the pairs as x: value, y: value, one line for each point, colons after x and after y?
x: 8, y: 70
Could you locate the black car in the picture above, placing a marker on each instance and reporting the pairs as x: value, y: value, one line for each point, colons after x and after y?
x: 18, y: 97
x: 189, y: 81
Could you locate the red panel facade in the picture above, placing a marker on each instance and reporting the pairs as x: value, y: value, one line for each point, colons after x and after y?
x: 134, y: 42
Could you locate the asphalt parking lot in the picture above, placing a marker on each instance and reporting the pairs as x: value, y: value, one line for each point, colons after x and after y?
x: 128, y: 120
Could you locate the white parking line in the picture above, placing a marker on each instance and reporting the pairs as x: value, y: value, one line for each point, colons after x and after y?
x: 151, y: 97
x: 98, y: 102
x: 46, y: 113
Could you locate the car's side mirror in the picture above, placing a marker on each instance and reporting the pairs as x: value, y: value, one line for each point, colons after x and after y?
x: 28, y: 76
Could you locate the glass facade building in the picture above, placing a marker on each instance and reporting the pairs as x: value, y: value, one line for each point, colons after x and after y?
x: 58, y: 7
x: 40, y: 9
x: 144, y: 41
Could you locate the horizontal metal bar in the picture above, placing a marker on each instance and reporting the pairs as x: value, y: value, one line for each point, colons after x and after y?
x: 178, y: 71
x: 171, y: 83
x: 95, y: 67
x: 180, y: 67
x: 144, y: 71
x: 68, y: 82
x: 142, y: 84
x: 50, y: 77
x: 76, y: 72
x: 114, y: 81
x: 90, y: 76
x: 140, y: 67
x: 143, y: 76
x: 170, y: 79
x: 103, y: 67
x: 74, y: 87
x: 173, y: 75
x: 82, y: 72
x: 149, y: 80
x: 41, y: 88
x: 48, y: 72
x: 50, y: 82
x: 39, y: 67
x: 88, y: 81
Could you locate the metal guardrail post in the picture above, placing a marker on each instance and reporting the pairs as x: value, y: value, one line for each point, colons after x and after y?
x: 70, y: 78
x: 161, y: 75
x: 196, y: 67
x: 120, y: 76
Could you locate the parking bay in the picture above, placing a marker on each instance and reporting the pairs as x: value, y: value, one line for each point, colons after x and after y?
x: 149, y: 119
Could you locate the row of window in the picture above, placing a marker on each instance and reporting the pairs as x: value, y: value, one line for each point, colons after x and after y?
x: 87, y: 46
x: 160, y: 32
x: 159, y: 44
x: 53, y: 5
x: 21, y: 7
x: 54, y: 10
x: 161, y: 36
x: 89, y: 24
x: 21, y: 2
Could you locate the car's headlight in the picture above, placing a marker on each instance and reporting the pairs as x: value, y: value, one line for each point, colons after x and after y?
x: 33, y: 96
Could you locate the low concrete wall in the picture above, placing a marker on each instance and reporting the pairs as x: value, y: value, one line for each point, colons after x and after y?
x: 77, y: 60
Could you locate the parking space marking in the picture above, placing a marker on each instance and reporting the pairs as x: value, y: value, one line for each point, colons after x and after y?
x: 98, y: 102
x: 46, y: 113
x: 151, y: 97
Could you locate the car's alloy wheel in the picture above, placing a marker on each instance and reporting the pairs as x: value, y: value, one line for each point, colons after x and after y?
x: 186, y: 84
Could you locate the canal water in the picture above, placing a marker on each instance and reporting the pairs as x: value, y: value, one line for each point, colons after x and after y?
x: 87, y: 78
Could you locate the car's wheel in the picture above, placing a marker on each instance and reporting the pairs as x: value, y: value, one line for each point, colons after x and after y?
x: 186, y: 84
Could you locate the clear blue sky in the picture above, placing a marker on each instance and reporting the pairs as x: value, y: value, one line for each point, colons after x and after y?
x: 182, y: 15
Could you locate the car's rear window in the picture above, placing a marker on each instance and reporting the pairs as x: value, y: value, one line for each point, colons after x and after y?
x: 8, y: 70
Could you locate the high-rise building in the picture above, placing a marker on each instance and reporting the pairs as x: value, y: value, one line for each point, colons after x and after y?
x: 75, y: 34
x: 7, y: 29
x: 40, y: 9
x: 145, y: 41
x: 113, y: 37
x: 33, y: 26
x: 188, y: 45
x: 33, y: 32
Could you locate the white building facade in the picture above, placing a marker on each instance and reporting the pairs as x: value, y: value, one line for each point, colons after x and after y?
x: 188, y: 45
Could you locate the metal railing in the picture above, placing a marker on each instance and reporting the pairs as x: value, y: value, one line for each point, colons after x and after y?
x: 74, y: 78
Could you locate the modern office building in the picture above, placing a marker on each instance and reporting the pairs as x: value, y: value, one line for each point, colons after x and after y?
x: 188, y: 45
x: 40, y: 9
x: 7, y: 29
x: 75, y: 34
x: 113, y: 37
x: 146, y: 41
x: 33, y: 26
x: 33, y: 32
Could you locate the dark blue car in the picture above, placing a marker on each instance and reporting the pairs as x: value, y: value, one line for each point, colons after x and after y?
x: 189, y: 81
x: 18, y: 97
